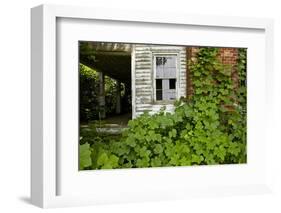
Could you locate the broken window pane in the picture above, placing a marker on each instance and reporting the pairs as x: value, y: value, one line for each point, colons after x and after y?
x: 159, y: 95
x: 172, y: 83
x: 159, y: 67
x: 159, y: 61
x: 158, y: 84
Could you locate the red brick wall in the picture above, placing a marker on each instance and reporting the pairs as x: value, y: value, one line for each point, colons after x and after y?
x: 227, y: 56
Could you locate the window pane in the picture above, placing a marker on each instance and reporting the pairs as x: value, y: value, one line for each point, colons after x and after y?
x: 172, y: 83
x: 158, y: 84
x: 159, y: 67
x: 165, y: 78
x: 159, y: 61
x: 159, y: 94
x: 170, y: 94
x: 170, y: 61
x: 169, y: 67
x: 164, y: 61
x: 170, y: 72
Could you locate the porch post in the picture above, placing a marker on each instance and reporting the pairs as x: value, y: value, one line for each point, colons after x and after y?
x: 118, y: 97
x: 101, y: 96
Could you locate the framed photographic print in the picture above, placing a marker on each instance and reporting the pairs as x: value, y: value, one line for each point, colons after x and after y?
x: 130, y: 106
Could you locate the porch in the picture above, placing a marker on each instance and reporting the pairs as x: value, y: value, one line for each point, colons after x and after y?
x: 112, y: 60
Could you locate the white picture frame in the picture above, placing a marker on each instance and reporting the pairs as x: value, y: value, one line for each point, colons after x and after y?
x: 46, y: 168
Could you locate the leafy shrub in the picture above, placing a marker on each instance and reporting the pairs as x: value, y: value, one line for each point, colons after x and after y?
x: 84, y: 156
x: 88, y: 93
x: 208, y: 128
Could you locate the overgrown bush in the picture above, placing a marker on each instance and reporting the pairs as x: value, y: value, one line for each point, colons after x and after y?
x: 209, y: 128
x: 88, y: 93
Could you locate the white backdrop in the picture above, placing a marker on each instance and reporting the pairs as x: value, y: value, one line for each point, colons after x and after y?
x: 15, y: 105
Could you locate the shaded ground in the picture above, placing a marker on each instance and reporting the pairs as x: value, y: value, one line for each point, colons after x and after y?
x: 111, y: 125
x: 120, y: 120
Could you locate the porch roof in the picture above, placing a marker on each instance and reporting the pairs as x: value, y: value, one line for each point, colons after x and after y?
x: 113, y: 59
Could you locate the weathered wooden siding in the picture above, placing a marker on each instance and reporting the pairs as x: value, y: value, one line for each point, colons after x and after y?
x: 143, y: 76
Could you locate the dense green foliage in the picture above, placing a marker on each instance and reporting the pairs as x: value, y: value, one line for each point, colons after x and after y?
x: 88, y: 93
x: 208, y: 128
x: 89, y: 107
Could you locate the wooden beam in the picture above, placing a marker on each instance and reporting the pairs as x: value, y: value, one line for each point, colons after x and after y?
x: 118, y: 97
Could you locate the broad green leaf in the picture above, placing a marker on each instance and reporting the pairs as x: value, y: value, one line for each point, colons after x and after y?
x: 84, y: 156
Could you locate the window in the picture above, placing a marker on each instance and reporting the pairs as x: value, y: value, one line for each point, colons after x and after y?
x: 172, y: 83
x: 165, y: 77
x: 159, y: 90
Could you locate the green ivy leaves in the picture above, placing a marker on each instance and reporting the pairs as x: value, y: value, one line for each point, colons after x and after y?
x: 105, y: 161
x: 158, y: 149
x: 84, y: 156
x: 173, y: 133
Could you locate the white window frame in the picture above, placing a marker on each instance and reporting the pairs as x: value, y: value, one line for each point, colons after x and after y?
x: 165, y: 54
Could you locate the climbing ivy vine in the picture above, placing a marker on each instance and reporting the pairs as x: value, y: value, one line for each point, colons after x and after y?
x: 207, y: 128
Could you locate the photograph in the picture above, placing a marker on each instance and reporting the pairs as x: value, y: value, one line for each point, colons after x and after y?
x: 158, y: 105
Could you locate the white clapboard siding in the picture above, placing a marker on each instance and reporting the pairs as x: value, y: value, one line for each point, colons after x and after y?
x: 143, y: 77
